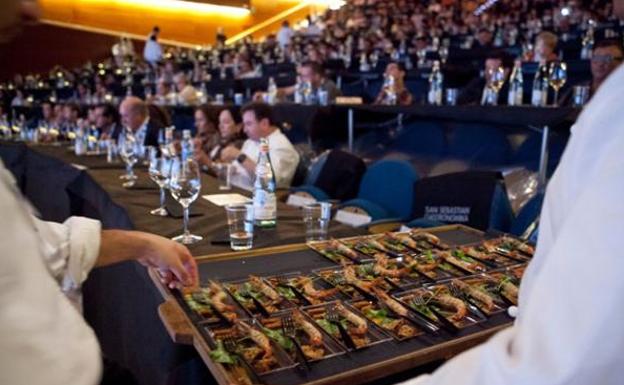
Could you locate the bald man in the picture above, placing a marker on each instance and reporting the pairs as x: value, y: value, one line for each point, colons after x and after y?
x: 135, y: 117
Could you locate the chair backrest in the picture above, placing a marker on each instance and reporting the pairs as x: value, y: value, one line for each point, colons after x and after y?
x: 474, y: 198
x: 390, y: 184
x: 340, y: 175
x: 479, y: 144
x: 420, y: 139
x: 527, y: 215
x: 528, y: 153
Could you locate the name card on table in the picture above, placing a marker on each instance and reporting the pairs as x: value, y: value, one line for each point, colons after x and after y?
x: 226, y: 199
x: 349, y: 100
x: 351, y: 218
x: 299, y: 200
x: 79, y: 166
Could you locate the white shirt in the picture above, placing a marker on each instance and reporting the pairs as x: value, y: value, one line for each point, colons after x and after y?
x: 284, y: 35
x: 284, y: 159
x: 43, y: 338
x: 570, y: 326
x: 152, y: 52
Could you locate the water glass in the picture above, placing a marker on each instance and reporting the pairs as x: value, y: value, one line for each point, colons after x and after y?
x: 323, y: 96
x: 129, y: 152
x: 316, y: 218
x: 238, y: 99
x: 185, y: 185
x: 451, y: 96
x: 581, y: 95
x: 219, y: 99
x: 224, y: 175
x: 159, y: 170
x: 111, y: 151
x: 240, y: 218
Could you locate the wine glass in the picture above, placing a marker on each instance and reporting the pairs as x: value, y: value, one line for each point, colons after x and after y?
x: 495, y: 81
x: 557, y: 77
x: 128, y: 150
x: 159, y: 169
x: 185, y: 184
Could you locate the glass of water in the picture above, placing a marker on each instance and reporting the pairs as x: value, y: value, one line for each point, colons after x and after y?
x: 185, y: 185
x: 129, y: 152
x: 316, y: 218
x: 159, y: 170
x: 240, y: 219
x: 224, y: 175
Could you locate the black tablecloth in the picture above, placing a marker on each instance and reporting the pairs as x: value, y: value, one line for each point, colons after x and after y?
x: 120, y: 301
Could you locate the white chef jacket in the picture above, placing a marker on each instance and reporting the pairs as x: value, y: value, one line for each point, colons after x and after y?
x: 570, y: 329
x: 284, y: 159
x: 43, y: 338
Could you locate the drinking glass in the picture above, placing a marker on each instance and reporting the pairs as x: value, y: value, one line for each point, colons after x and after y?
x: 557, y: 77
x: 129, y: 154
x: 316, y: 218
x: 581, y: 95
x: 240, y: 219
x: 158, y: 170
x: 224, y: 175
x: 185, y: 184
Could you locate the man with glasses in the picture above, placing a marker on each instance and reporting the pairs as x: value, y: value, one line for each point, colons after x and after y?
x: 607, y: 56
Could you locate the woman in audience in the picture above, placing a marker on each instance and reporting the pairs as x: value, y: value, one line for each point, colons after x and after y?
x: 545, y: 46
x: 210, y: 142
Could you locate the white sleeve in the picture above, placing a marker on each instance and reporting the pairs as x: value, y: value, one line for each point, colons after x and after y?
x: 69, y: 249
x: 285, y: 160
x: 44, y: 339
x: 570, y: 330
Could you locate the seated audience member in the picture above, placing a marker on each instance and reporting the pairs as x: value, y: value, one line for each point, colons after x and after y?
x: 473, y: 92
x: 210, y: 147
x: 403, y: 96
x: 246, y: 70
x: 545, y: 48
x: 484, y: 39
x: 135, y: 117
x: 47, y: 112
x: 258, y: 123
x: 312, y: 72
x: 187, y: 94
x: 607, y: 56
x: 71, y: 114
x: 107, y: 121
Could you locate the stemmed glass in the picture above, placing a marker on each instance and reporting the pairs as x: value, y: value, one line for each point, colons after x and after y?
x: 129, y: 151
x: 159, y: 170
x: 185, y: 184
x: 557, y: 77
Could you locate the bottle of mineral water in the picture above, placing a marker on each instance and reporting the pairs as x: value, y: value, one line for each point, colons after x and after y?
x: 539, y: 95
x: 187, y: 145
x: 299, y: 91
x: 436, y: 85
x: 272, y: 92
x: 516, y: 86
x: 264, y: 201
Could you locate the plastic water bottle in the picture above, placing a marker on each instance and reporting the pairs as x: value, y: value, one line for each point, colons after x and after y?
x: 364, y: 66
x: 272, y: 92
x: 187, y: 145
x: 516, y: 86
x: 390, y: 97
x: 588, y: 44
x: 80, y: 143
x: 299, y: 91
x: 436, y: 85
x: 264, y: 201
x: 539, y: 95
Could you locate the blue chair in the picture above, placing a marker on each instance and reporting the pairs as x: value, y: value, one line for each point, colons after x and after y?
x: 527, y: 215
x: 528, y: 153
x: 420, y: 139
x: 334, y: 174
x: 386, y: 190
x: 479, y: 144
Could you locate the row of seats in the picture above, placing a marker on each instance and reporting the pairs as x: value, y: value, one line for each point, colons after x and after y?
x: 393, y: 190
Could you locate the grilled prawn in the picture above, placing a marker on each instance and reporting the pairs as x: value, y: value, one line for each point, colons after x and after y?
x: 256, y: 336
x: 475, y: 293
x: 316, y: 339
x: 263, y: 288
x: 360, y: 324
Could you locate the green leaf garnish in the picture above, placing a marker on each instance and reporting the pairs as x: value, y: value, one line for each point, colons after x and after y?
x: 221, y: 355
x: 278, y: 337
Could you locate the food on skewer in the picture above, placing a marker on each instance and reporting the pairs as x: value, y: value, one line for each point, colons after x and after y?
x: 485, y: 299
x: 308, y: 336
x: 263, y: 288
x: 356, y: 326
x: 421, y: 236
x: 381, y: 267
x: 206, y: 300
x: 386, y: 320
x: 404, y: 239
x: 256, y: 336
x: 307, y: 285
x: 459, y: 259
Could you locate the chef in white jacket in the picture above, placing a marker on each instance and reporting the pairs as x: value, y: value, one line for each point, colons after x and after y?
x: 570, y: 327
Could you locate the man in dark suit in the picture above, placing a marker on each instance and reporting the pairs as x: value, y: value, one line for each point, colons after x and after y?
x: 107, y: 121
x: 135, y: 116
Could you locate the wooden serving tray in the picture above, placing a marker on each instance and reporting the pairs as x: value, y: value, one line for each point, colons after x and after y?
x: 182, y: 329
